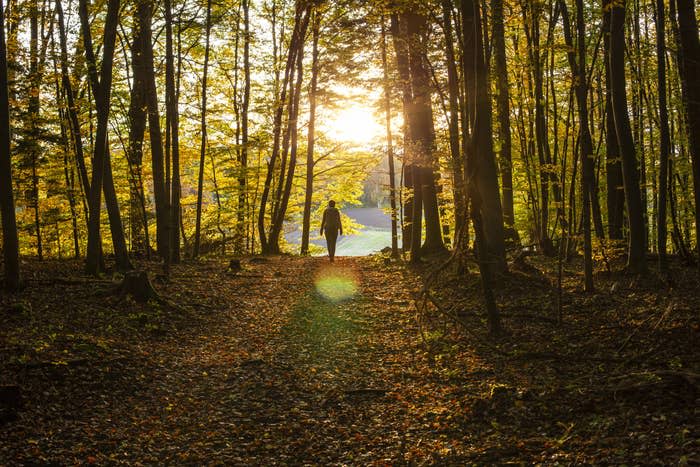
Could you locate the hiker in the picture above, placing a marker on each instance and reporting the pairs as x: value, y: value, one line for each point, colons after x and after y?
x: 332, y: 226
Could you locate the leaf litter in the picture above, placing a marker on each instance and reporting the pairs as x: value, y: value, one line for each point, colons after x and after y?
x: 296, y: 361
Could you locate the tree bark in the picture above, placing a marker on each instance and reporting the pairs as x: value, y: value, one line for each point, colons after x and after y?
x: 10, y: 239
x: 456, y: 160
x: 243, y: 157
x: 636, y: 259
x: 173, y: 119
x: 484, y: 171
x: 503, y: 106
x: 665, y: 143
x: 613, y: 162
x: 154, y: 130
x: 311, y: 137
x: 33, y: 119
x: 689, y: 68
x: 389, y: 145
x: 270, y: 243
x: 137, y: 130
x: 203, y: 126
x: 102, y: 88
x: 398, y: 32
x: 585, y: 146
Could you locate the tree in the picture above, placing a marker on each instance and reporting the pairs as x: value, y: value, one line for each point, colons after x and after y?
x: 138, y: 106
x: 203, y: 146
x: 289, y: 100
x: 101, y: 168
x: 420, y: 138
x: 580, y: 83
x: 665, y: 143
x: 481, y: 154
x: 636, y: 257
x: 389, y: 144
x: 689, y: 68
x: 503, y: 107
x: 615, y: 195
x: 172, y: 176
x: 306, y: 219
x: 10, y: 240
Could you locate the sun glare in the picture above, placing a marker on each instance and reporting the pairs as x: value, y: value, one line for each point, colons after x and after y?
x: 336, y: 285
x: 355, y: 124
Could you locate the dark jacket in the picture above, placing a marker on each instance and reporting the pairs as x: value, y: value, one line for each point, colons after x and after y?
x: 331, y: 221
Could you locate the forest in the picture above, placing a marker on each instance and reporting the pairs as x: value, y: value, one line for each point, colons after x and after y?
x: 166, y: 295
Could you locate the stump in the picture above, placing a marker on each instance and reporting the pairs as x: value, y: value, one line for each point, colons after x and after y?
x: 234, y: 266
x: 137, y: 284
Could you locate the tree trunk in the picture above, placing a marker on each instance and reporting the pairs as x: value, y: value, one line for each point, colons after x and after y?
x: 398, y: 32
x: 453, y: 121
x: 173, y: 117
x: 33, y: 119
x: 137, y: 129
x: 10, y: 240
x: 389, y: 145
x: 145, y: 8
x: 503, y: 106
x: 636, y: 260
x: 102, y: 88
x: 422, y: 140
x: 306, y: 221
x: 72, y: 107
x: 484, y: 171
x: 203, y: 126
x: 291, y: 135
x: 585, y: 146
x: 243, y: 158
x: 613, y: 162
x: 689, y: 68
x: 665, y: 143
x: 270, y: 244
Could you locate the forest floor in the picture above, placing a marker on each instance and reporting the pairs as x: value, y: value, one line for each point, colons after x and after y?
x: 297, y: 361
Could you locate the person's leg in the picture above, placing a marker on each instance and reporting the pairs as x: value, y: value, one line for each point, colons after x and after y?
x: 331, y: 238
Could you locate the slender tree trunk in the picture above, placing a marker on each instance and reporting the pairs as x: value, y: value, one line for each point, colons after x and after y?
x: 401, y: 50
x: 10, y: 240
x: 503, y: 106
x: 453, y: 120
x: 102, y: 88
x: 33, y: 118
x: 665, y: 143
x: 689, y: 68
x: 137, y: 128
x: 72, y: 107
x: 389, y: 145
x: 243, y: 157
x: 306, y: 219
x: 292, y: 132
x: 270, y: 244
x: 154, y: 130
x: 173, y: 117
x: 636, y: 259
x: 484, y: 171
x: 203, y: 126
x: 585, y: 143
x: 422, y: 139
x: 614, y: 181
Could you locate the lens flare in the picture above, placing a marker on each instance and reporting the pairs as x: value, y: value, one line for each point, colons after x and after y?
x: 336, y: 285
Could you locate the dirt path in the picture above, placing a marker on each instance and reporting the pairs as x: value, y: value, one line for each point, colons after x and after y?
x: 294, y: 361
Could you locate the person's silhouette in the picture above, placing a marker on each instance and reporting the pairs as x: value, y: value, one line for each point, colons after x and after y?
x: 331, y: 226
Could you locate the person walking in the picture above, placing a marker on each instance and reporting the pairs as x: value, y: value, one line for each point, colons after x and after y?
x: 331, y: 226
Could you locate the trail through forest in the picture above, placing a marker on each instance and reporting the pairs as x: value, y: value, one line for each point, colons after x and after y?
x: 297, y: 361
